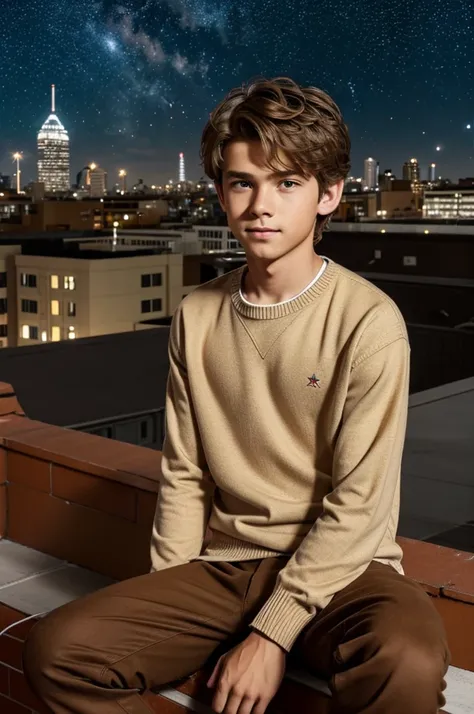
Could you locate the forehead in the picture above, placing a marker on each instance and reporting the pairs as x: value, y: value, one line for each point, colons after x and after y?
x: 248, y: 156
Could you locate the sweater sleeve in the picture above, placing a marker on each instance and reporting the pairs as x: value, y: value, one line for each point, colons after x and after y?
x: 356, y: 513
x: 185, y: 487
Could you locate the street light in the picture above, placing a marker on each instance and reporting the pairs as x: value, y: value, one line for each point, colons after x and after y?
x: 123, y: 176
x: 114, y: 239
x: 17, y: 157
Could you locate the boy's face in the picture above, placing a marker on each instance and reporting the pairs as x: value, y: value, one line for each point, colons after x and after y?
x: 260, y: 198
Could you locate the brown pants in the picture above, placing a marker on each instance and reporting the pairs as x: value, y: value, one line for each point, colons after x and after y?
x: 380, y: 641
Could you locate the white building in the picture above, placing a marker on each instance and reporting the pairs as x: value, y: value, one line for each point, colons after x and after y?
x: 371, y: 174
x: 98, y: 182
x: 182, y: 172
x: 188, y: 241
x: 449, y: 203
x: 53, y: 153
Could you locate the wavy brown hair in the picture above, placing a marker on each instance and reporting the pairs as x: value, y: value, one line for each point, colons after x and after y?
x: 302, y: 121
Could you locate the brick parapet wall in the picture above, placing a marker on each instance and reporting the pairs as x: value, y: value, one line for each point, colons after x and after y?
x: 91, y: 501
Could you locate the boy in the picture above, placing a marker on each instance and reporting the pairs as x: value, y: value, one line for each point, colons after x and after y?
x: 285, y: 422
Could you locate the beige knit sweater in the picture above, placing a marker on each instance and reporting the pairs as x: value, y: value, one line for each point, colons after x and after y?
x: 285, y: 427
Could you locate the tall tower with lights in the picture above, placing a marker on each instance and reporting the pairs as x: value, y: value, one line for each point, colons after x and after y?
x: 371, y: 174
x: 182, y: 173
x: 411, y: 171
x: 53, y: 152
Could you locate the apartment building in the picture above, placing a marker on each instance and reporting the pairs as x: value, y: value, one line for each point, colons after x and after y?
x: 97, y: 293
x: 7, y: 307
x: 449, y: 202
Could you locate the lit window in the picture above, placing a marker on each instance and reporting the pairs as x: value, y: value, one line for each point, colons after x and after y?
x: 55, y: 282
x: 44, y: 336
x: 25, y: 332
x: 69, y: 282
x: 71, y: 309
x: 71, y: 332
x: 54, y: 307
x: 55, y: 333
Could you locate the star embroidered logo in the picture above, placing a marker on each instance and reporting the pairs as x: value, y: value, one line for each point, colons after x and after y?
x: 314, y: 381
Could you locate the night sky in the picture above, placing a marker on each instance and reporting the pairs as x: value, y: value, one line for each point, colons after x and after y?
x: 136, y: 79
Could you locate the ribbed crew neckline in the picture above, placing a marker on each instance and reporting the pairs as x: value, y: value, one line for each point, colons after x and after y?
x: 270, y: 312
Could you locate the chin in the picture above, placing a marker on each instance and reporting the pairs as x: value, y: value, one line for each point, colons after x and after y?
x: 265, y: 253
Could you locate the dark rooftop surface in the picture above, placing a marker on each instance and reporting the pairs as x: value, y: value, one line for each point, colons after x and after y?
x: 94, y: 378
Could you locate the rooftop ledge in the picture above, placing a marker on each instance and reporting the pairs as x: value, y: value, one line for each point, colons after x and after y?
x: 85, y: 505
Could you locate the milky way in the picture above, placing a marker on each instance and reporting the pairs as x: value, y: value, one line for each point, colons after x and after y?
x: 136, y: 79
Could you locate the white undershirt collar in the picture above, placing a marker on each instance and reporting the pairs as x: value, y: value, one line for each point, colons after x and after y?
x: 317, y: 276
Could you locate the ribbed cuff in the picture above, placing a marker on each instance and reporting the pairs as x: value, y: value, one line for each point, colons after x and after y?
x: 282, y: 618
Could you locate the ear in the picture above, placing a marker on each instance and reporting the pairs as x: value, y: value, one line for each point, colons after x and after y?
x: 220, y: 195
x: 331, y: 199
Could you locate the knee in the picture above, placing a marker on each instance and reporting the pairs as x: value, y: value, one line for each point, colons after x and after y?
x: 51, y: 650
x: 41, y: 651
x: 417, y: 663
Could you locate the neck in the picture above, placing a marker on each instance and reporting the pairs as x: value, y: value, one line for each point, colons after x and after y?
x: 271, y: 283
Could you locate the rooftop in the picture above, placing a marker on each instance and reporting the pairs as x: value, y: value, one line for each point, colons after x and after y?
x: 437, y: 500
x: 94, y: 377
x: 76, y: 513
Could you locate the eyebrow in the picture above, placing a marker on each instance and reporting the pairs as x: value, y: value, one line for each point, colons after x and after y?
x: 250, y: 177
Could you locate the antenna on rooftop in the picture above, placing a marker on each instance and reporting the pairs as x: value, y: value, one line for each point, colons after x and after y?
x: 53, y: 98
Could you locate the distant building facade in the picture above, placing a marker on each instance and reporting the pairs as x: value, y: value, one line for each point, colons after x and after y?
x: 5, y: 181
x: 98, y: 182
x: 411, y: 171
x: 371, y: 174
x: 62, y: 298
x: 53, y: 154
x: 452, y: 202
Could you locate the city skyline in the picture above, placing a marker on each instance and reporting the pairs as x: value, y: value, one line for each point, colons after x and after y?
x: 136, y: 79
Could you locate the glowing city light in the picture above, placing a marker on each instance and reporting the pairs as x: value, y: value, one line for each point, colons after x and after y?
x: 123, y: 176
x: 17, y: 156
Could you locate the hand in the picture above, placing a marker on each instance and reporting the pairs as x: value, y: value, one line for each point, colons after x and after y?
x: 248, y: 677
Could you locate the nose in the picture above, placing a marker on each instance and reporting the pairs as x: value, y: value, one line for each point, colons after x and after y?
x: 261, y: 204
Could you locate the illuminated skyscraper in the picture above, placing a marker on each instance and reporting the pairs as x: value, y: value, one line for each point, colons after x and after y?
x: 182, y: 175
x: 98, y: 182
x: 411, y: 171
x: 432, y: 172
x: 53, y: 153
x: 371, y: 174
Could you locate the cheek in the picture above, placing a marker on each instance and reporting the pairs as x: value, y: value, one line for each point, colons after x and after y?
x: 236, y: 205
x: 304, y: 210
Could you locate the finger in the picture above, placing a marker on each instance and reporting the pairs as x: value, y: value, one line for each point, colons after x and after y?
x: 212, y: 679
x: 233, y: 704
x: 247, y: 706
x: 260, y: 707
x: 220, y: 698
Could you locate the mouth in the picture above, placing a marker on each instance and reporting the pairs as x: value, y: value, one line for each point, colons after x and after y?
x: 262, y: 231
